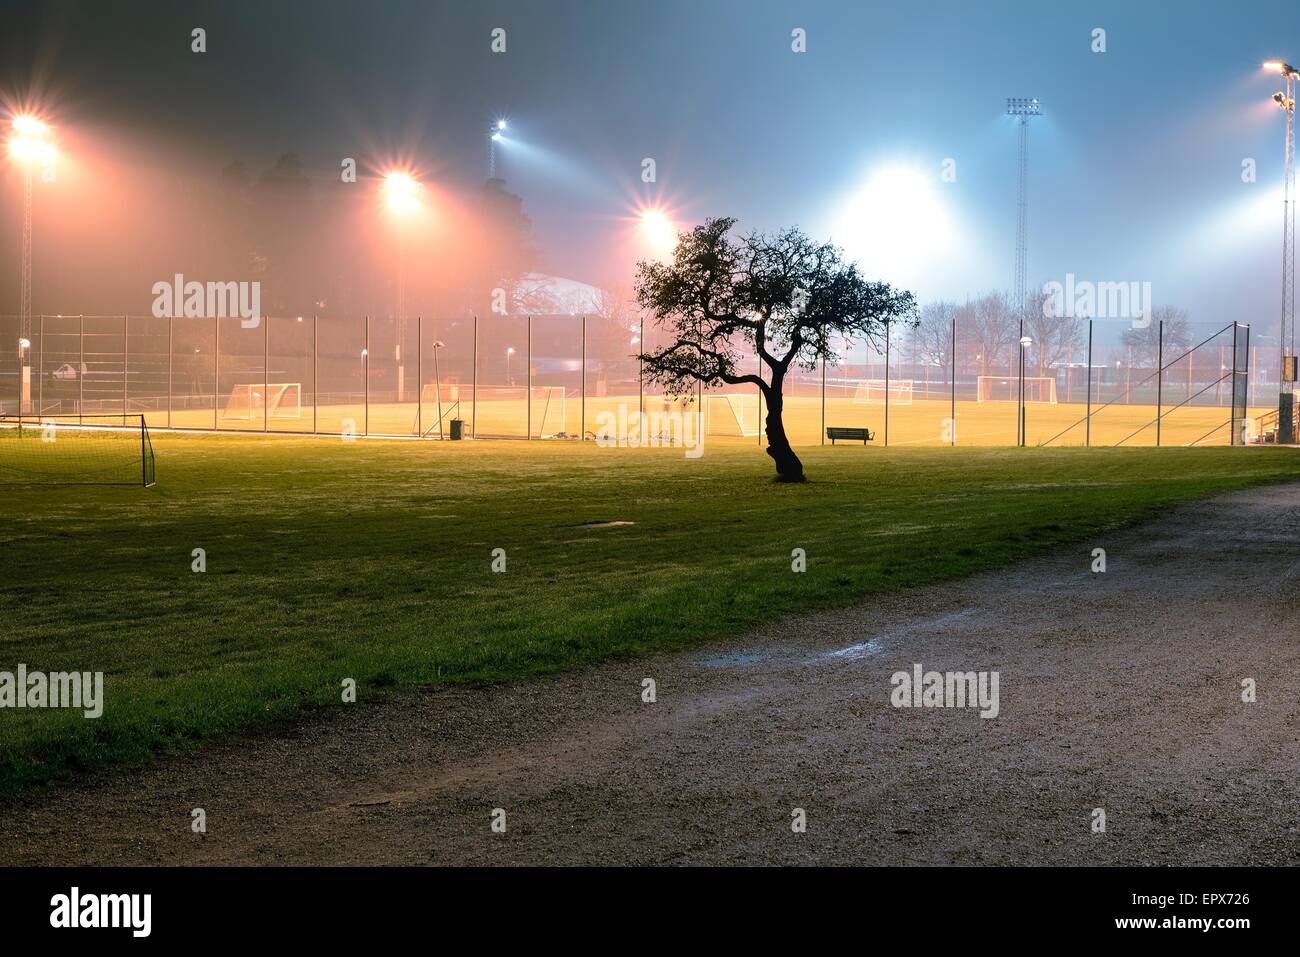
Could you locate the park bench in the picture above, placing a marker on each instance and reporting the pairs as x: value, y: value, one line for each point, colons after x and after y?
x: 837, y: 432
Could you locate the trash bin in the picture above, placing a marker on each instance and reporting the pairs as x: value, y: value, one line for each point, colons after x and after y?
x: 457, y: 429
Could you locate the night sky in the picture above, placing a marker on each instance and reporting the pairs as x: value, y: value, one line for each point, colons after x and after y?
x: 1135, y: 168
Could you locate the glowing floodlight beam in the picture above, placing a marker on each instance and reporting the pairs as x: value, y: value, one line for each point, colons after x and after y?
x: 1278, y: 66
x: 31, y: 140
x: 657, y: 231
x: 894, y: 224
x: 495, y: 135
x: 401, y: 192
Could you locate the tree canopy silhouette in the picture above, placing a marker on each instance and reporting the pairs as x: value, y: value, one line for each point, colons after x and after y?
x: 786, y: 297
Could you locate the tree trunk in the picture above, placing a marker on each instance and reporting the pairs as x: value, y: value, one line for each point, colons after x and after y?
x: 788, y: 466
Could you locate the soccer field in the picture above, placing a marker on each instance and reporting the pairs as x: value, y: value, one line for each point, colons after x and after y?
x: 923, y: 422
x: 329, y: 560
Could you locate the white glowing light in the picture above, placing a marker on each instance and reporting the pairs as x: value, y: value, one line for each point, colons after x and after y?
x: 402, y: 192
x: 895, y: 225
x: 658, y: 232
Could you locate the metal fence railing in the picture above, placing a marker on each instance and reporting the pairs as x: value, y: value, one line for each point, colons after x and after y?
x: 961, y: 381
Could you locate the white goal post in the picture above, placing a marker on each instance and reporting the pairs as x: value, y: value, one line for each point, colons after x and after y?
x: 276, y: 400
x: 873, y: 391
x: 1005, y: 388
x: 732, y: 414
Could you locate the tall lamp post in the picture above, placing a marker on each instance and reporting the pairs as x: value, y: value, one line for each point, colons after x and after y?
x: 1285, y: 98
x: 30, y: 144
x: 1024, y: 110
x: 437, y: 383
x: 401, y: 192
x: 496, y: 133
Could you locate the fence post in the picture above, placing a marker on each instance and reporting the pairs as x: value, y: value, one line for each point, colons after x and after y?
x: 887, y: 345
x: 126, y: 354
x: 528, y: 388
x: 1087, y: 428
x: 170, y: 353
x: 823, y: 433
x: 315, y: 371
x: 952, y: 383
x: 640, y: 384
x: 81, y: 369
x: 1160, y: 375
x: 40, y: 368
x: 419, y: 379
x: 582, y: 418
x: 216, y: 367
x: 266, y: 374
x: 1245, y: 389
x: 1232, y: 380
x: 1020, y: 382
x: 365, y: 375
x: 473, y: 388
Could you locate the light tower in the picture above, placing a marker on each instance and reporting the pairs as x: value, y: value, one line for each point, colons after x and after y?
x: 1023, y: 109
x: 401, y: 191
x: 29, y: 145
x: 1285, y: 98
x: 495, y: 135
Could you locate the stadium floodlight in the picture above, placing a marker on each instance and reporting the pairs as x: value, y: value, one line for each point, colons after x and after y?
x: 30, y: 144
x: 496, y: 134
x: 1024, y: 109
x: 509, y: 353
x: 1285, y: 98
x: 401, y: 191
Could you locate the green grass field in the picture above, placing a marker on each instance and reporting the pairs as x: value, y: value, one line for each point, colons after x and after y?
x: 370, y: 560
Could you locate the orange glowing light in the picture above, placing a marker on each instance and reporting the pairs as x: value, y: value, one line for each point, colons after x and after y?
x: 30, y: 142
x: 401, y: 192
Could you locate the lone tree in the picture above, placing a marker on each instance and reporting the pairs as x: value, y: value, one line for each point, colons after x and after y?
x: 784, y: 296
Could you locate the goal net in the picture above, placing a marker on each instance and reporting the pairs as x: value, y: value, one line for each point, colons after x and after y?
x: 1006, y: 388
x: 873, y: 392
x: 109, y: 449
x: 548, y: 410
x: 276, y: 400
x: 731, y: 414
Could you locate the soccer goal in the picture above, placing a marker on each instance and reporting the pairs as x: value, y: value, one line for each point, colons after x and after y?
x: 873, y: 392
x: 548, y: 410
x: 1005, y: 388
x: 109, y: 449
x: 277, y: 400
x: 732, y: 414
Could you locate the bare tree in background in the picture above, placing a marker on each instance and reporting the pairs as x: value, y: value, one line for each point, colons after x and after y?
x: 990, y: 325
x: 1057, y: 339
x: 1143, y: 343
x: 934, y: 335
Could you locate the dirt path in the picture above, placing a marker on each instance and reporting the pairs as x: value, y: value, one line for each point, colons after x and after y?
x: 1119, y: 690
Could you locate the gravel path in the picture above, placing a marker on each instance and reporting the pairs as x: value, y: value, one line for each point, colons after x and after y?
x: 1119, y: 691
